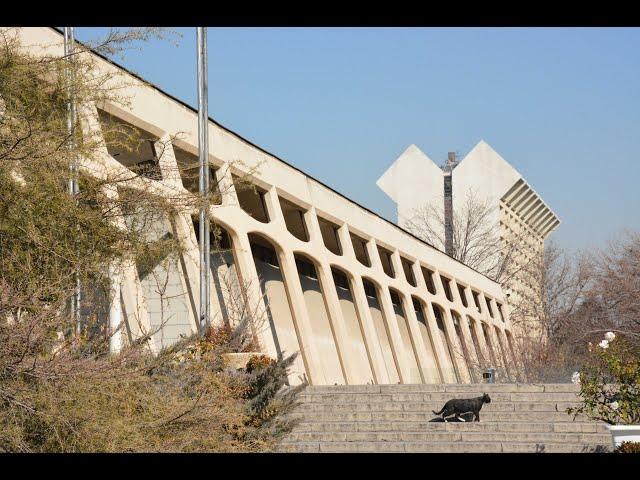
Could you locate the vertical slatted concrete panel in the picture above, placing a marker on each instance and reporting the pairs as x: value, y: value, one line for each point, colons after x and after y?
x: 354, y: 342
x: 295, y: 294
x: 488, y: 340
x: 308, y: 345
x: 500, y: 351
x: 448, y: 369
x: 370, y: 337
x: 452, y: 338
x: 464, y: 347
x: 384, y: 299
x: 383, y: 338
x: 321, y: 330
x: 475, y: 343
x: 255, y: 293
x: 431, y: 368
x: 403, y: 326
x: 484, y: 348
x: 473, y: 363
x: 332, y: 303
x: 400, y: 355
x: 279, y: 316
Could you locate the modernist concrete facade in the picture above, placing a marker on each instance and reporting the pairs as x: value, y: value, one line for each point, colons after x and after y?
x: 361, y: 299
x: 517, y: 213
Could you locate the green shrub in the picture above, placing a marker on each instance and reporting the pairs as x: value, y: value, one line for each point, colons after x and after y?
x: 610, y: 382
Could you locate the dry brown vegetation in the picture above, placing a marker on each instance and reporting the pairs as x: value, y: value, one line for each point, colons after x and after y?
x: 60, y: 388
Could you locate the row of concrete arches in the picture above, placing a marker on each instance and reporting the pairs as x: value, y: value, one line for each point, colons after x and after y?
x: 352, y: 363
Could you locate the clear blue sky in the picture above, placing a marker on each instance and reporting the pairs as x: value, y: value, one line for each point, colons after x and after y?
x: 561, y: 105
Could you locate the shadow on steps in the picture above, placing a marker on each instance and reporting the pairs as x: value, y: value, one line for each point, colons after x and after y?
x: 468, y: 417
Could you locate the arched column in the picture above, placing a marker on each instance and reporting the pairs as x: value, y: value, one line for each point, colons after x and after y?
x: 251, y: 284
x: 308, y: 349
x: 447, y: 368
x: 416, y: 337
x: 452, y: 337
x: 389, y: 315
x: 330, y: 295
x: 399, y: 354
x: 466, y: 332
x: 458, y: 352
x: 374, y: 351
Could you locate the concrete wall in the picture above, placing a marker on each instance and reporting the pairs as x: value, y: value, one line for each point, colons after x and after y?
x: 309, y: 315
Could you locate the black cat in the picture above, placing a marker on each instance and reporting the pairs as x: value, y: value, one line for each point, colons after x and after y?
x: 458, y: 406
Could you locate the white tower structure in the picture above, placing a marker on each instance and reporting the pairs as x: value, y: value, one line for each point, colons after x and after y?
x: 516, y: 211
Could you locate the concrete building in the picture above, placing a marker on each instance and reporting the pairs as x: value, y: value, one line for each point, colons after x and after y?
x: 360, y: 298
x: 518, y: 217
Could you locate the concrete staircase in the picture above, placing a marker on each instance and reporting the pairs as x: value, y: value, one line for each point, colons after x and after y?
x: 396, y: 418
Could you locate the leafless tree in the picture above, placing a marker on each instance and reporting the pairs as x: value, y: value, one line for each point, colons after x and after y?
x: 477, y: 240
x: 612, y: 301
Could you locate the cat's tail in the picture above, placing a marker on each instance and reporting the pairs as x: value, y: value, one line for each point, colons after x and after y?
x: 438, y: 413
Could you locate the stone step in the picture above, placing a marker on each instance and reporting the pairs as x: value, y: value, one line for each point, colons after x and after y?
x: 417, y: 426
x: 440, y: 397
x: 448, y: 436
x: 458, y: 388
x: 424, y: 416
x: 432, y: 406
x: 444, y: 447
x: 399, y: 418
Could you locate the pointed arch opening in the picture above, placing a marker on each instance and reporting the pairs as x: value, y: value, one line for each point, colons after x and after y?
x: 357, y: 354
x: 275, y: 293
x: 372, y: 292
x: 322, y: 330
x: 433, y: 367
x: 405, y: 335
x: 438, y: 313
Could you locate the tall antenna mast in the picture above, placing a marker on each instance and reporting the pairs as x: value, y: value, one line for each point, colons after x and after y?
x: 69, y: 49
x: 203, y: 153
x: 448, y: 202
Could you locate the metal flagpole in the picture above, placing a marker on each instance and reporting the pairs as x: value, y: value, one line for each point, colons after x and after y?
x: 203, y: 152
x: 69, y: 44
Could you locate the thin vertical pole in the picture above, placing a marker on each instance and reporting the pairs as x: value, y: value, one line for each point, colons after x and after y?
x: 69, y: 44
x: 115, y: 310
x: 203, y: 152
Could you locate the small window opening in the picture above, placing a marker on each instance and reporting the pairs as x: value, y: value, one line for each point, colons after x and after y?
x: 428, y: 279
x: 463, y: 295
x: 395, y: 298
x: 447, y: 288
x: 306, y: 268
x: 489, y: 306
x: 294, y: 219
x: 189, y: 169
x: 408, y: 271
x: 340, y: 279
x: 263, y: 250
x: 369, y: 289
x: 251, y: 199
x: 131, y: 146
x: 329, y: 232
x: 360, y: 249
x: 476, y: 300
x: 385, y: 259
